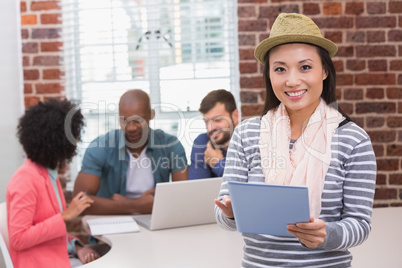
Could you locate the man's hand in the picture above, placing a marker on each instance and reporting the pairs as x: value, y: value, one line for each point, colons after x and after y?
x: 147, y: 201
x: 143, y: 204
x: 212, y: 155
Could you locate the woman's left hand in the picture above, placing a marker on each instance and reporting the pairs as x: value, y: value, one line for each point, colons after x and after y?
x: 86, y: 254
x: 311, y: 234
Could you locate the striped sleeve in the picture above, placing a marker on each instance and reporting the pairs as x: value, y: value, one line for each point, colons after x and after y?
x: 236, y: 169
x: 357, y: 165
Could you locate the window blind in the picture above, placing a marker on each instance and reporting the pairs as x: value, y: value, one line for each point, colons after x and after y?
x: 176, y: 50
x: 168, y: 48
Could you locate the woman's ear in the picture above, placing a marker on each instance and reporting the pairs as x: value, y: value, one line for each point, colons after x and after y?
x: 324, y: 74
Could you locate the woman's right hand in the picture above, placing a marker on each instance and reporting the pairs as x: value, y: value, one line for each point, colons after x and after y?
x: 226, y: 206
x: 79, y: 203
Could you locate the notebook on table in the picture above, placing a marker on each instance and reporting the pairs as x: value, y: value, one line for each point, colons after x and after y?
x: 112, y: 225
x: 182, y: 203
x: 267, y: 209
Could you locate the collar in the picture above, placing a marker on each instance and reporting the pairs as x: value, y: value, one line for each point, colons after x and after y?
x: 52, y: 174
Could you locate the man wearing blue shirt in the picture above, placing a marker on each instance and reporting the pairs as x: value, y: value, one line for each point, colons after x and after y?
x: 121, y: 168
x: 209, y: 149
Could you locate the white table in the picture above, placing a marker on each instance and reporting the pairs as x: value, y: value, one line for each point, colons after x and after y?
x: 210, y: 246
x: 196, y: 246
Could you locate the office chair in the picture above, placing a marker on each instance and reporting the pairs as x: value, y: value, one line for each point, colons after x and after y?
x: 4, y: 244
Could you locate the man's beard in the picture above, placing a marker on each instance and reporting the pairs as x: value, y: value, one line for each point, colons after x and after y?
x: 222, y: 141
x: 137, y: 143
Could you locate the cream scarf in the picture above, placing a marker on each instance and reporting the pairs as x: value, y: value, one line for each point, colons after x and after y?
x: 308, y: 163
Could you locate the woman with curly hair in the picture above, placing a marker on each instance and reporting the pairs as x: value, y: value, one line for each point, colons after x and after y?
x: 36, y: 208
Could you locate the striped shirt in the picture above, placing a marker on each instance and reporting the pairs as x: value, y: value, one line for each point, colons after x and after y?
x: 347, y: 200
x: 291, y: 144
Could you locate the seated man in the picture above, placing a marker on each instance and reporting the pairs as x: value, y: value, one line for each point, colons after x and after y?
x: 121, y: 168
x: 209, y: 149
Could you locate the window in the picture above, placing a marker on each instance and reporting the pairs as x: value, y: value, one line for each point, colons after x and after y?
x: 176, y: 50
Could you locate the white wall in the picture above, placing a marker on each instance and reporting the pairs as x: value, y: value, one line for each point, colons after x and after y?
x: 11, y: 91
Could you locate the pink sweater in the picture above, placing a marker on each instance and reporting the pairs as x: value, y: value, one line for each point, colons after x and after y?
x: 36, y: 228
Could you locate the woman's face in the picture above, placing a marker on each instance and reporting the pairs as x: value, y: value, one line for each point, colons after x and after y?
x: 297, y: 75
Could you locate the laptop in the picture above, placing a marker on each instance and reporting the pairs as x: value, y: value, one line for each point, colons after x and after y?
x: 182, y: 203
x: 261, y: 208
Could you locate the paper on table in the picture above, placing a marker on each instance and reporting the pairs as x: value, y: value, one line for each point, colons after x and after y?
x: 112, y: 225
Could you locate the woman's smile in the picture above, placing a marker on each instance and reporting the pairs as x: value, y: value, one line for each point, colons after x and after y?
x: 296, y: 94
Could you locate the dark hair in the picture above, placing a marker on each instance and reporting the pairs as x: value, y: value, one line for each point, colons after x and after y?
x: 215, y: 96
x: 329, y: 84
x: 49, y: 131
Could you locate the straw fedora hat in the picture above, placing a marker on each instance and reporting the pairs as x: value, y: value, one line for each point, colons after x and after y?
x: 293, y: 28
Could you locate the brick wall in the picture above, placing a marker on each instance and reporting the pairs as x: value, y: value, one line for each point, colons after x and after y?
x: 369, y: 67
x: 41, y: 49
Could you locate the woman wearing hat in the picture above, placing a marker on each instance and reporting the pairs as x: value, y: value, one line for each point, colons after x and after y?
x: 303, y: 139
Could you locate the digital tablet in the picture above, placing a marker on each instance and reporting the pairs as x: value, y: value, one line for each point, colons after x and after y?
x: 266, y: 208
